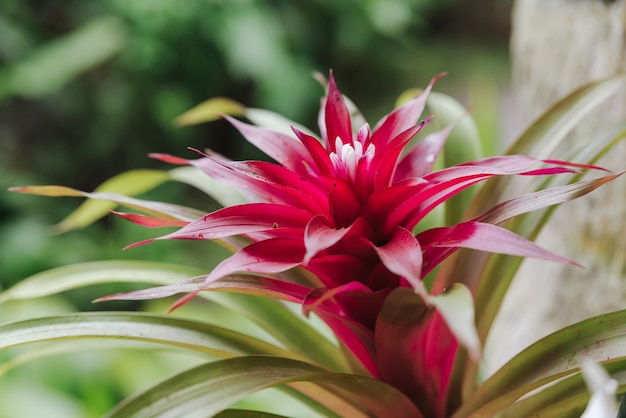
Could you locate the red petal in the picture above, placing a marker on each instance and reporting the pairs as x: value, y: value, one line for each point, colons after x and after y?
x: 421, y: 159
x: 243, y: 219
x: 344, y: 203
x: 149, y: 221
x: 269, y: 181
x: 385, y: 160
x: 317, y: 152
x: 402, y: 255
x: 337, y: 269
x: 337, y: 116
x: 415, y: 350
x: 265, y: 257
x: 485, y: 237
x: 318, y: 236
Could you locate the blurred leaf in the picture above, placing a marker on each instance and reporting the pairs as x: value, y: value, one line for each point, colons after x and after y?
x: 57, y: 63
x: 555, y: 356
x: 212, y: 387
x: 463, y: 143
x: 210, y: 110
x: 223, y: 193
x: 545, y: 134
x: 275, y: 121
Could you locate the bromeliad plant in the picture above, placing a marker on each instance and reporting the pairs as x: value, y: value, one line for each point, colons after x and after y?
x: 337, y: 225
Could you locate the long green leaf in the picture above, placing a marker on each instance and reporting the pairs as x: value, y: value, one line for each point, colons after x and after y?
x: 274, y: 317
x: 65, y: 278
x: 210, y: 388
x: 601, y: 338
x: 182, y: 333
x: 567, y: 396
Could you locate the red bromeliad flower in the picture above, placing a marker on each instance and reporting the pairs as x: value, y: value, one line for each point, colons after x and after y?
x: 343, y: 208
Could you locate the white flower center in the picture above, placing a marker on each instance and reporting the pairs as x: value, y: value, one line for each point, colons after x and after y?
x: 347, y: 157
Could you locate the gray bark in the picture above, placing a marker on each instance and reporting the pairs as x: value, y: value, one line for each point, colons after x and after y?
x: 556, y: 46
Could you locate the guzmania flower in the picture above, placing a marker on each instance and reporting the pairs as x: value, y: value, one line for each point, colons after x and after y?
x: 330, y: 225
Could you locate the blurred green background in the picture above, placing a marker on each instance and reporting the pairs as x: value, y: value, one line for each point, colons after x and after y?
x: 89, y: 88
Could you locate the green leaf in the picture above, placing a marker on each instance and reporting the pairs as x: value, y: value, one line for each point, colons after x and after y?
x: 212, y: 387
x: 567, y: 397
x: 272, y: 316
x: 598, y: 339
x: 210, y: 110
x: 181, y: 333
x: 64, y: 278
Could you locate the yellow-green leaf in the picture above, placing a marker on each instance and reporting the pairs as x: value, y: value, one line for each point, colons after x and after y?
x: 210, y: 110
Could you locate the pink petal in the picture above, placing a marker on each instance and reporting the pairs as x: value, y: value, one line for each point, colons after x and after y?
x: 401, y: 119
x: 451, y: 181
x: 421, y: 159
x: 385, y: 160
x: 337, y: 116
x: 271, y: 182
x: 265, y: 257
x: 485, y: 237
x: 238, y: 283
x: 243, y: 219
x: 318, y: 236
x: 402, y: 255
x: 286, y: 150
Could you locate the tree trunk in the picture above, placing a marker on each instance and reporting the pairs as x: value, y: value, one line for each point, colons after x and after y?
x: 556, y: 46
